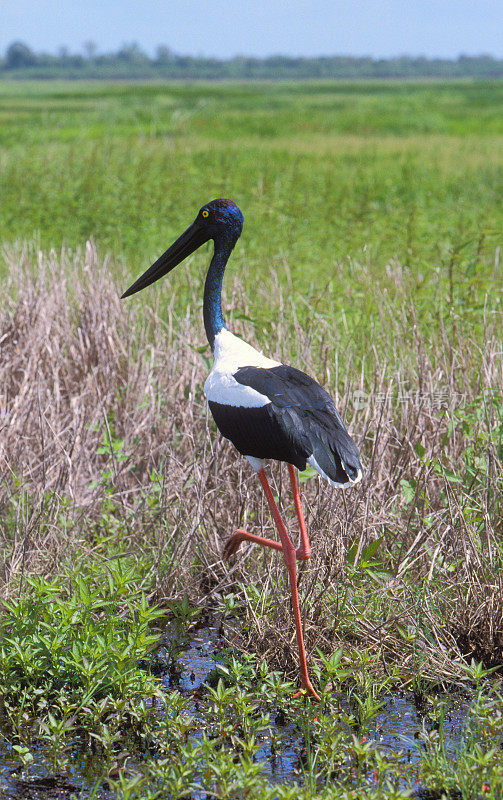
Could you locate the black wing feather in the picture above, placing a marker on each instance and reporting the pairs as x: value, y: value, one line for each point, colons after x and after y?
x: 301, y: 420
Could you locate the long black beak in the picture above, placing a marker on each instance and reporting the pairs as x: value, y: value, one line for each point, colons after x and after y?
x: 190, y: 240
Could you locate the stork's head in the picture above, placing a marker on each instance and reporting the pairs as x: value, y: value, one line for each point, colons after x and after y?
x: 220, y: 220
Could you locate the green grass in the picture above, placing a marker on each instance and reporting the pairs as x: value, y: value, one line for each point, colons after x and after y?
x: 326, y: 174
x: 336, y: 181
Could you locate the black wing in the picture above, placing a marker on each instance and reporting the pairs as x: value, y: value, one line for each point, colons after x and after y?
x: 300, y: 421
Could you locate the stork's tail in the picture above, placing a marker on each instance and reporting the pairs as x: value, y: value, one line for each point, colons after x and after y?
x: 337, y: 459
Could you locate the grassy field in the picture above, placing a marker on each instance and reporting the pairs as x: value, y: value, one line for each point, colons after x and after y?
x: 371, y: 258
x: 325, y: 173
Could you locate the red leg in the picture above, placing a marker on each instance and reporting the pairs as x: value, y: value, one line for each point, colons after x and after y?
x: 303, y: 552
x: 231, y: 546
x: 290, y: 556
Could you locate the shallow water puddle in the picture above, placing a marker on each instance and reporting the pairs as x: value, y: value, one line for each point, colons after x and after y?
x: 396, y: 728
x: 187, y: 666
x: 400, y: 723
x: 39, y: 784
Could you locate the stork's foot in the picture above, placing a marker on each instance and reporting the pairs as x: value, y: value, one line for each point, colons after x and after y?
x: 308, y: 690
x: 232, y: 545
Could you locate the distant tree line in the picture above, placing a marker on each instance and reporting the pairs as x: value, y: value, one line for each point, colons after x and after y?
x: 131, y: 62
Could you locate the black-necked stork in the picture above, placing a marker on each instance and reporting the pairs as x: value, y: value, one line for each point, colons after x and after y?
x: 266, y: 409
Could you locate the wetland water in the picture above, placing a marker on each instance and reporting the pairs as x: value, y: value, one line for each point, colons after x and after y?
x: 395, y: 729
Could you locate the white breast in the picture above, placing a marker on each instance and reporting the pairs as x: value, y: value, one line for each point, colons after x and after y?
x: 230, y: 353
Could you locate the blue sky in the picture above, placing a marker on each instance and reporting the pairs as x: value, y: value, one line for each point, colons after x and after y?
x: 225, y: 28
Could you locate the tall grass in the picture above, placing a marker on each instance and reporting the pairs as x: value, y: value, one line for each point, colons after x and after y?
x: 107, y: 450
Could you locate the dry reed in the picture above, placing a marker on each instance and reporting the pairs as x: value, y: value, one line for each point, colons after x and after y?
x: 106, y: 449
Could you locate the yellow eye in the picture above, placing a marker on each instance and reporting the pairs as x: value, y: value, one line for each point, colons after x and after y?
x: 206, y: 213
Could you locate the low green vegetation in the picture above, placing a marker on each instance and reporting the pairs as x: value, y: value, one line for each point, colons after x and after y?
x: 76, y: 685
x: 371, y: 259
x: 71, y: 650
